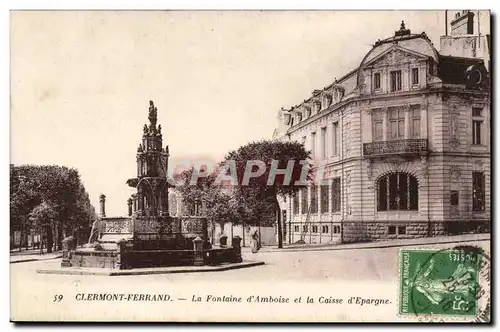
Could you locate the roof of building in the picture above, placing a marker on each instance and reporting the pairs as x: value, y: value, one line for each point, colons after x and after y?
x: 451, y: 69
x: 402, y: 34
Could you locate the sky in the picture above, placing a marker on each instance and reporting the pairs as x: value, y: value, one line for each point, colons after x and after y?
x: 81, y: 81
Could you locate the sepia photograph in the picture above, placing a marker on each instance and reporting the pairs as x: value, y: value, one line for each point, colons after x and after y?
x: 269, y: 166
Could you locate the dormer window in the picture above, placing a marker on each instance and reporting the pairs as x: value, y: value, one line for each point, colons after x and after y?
x: 326, y: 101
x: 376, y: 81
x: 286, y: 119
x: 317, y: 106
x: 338, y: 94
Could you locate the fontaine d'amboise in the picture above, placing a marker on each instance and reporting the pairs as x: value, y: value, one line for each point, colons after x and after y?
x: 149, y: 236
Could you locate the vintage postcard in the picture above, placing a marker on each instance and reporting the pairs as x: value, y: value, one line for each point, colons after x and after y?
x: 250, y: 166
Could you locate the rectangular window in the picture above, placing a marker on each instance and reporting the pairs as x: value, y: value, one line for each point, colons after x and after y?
x: 397, y: 123
x: 478, y: 191
x: 401, y: 230
x: 296, y: 229
x: 304, y: 200
x: 382, y: 194
x: 324, y: 198
x: 391, y: 230
x: 378, y: 122
x: 305, y: 229
x: 378, y: 131
x: 296, y: 203
x: 415, y: 122
x: 323, y: 143
x: 476, y: 111
x: 476, y: 132
x: 314, y: 199
x: 315, y: 228
x: 324, y: 229
x: 376, y: 81
x: 454, y: 197
x: 477, y: 124
x: 335, y: 138
x: 313, y: 145
x: 336, y: 229
x: 414, y: 76
x: 413, y: 194
x: 336, y: 195
x: 396, y: 80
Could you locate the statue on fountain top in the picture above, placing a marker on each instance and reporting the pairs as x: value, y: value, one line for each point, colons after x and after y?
x: 152, y: 114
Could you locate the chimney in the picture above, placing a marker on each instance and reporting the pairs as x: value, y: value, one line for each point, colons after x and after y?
x: 102, y: 202
x: 463, y: 23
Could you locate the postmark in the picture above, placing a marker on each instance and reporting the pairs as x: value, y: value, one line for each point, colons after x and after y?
x: 439, y: 285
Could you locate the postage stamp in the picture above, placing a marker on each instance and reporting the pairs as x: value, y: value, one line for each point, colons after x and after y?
x: 443, y: 283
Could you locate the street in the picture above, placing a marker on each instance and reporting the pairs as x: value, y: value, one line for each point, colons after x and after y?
x: 371, y: 272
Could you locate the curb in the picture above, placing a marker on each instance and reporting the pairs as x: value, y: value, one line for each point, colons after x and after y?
x: 381, y: 246
x: 34, y: 259
x: 149, y: 271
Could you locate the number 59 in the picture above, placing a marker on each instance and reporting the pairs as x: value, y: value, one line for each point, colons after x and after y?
x: 58, y: 298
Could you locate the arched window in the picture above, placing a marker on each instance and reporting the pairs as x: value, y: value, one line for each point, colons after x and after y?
x: 397, y: 191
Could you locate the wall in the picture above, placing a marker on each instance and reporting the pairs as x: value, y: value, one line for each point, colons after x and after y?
x: 267, y: 234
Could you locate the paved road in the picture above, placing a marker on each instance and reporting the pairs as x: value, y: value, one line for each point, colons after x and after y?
x: 360, y: 264
x: 361, y: 270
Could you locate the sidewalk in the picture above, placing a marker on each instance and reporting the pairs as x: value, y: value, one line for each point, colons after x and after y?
x: 382, y: 244
x: 32, y: 257
x: 24, y: 252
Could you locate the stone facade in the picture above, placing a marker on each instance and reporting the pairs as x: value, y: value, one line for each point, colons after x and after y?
x: 403, y: 144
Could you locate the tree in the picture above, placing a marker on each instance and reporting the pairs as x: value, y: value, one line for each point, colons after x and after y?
x: 23, y: 197
x: 37, y: 189
x: 252, y: 206
x: 219, y: 203
x: 271, y: 154
x: 43, y: 219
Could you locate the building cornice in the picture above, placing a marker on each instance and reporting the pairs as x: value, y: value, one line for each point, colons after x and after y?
x: 387, y: 96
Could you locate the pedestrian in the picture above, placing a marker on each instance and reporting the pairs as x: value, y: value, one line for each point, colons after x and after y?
x: 254, y: 243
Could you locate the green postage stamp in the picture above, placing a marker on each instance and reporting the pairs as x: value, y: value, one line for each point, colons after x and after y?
x: 444, y: 283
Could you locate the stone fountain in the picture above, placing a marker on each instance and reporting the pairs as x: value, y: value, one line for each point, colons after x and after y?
x: 148, y: 236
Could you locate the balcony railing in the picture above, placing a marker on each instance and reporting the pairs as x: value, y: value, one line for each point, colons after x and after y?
x: 403, y: 146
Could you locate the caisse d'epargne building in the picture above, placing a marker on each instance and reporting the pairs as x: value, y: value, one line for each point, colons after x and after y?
x: 405, y: 140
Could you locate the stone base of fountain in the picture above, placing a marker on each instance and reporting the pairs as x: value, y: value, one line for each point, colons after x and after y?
x: 185, y: 243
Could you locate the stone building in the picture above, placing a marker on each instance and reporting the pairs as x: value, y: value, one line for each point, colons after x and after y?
x: 402, y: 142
